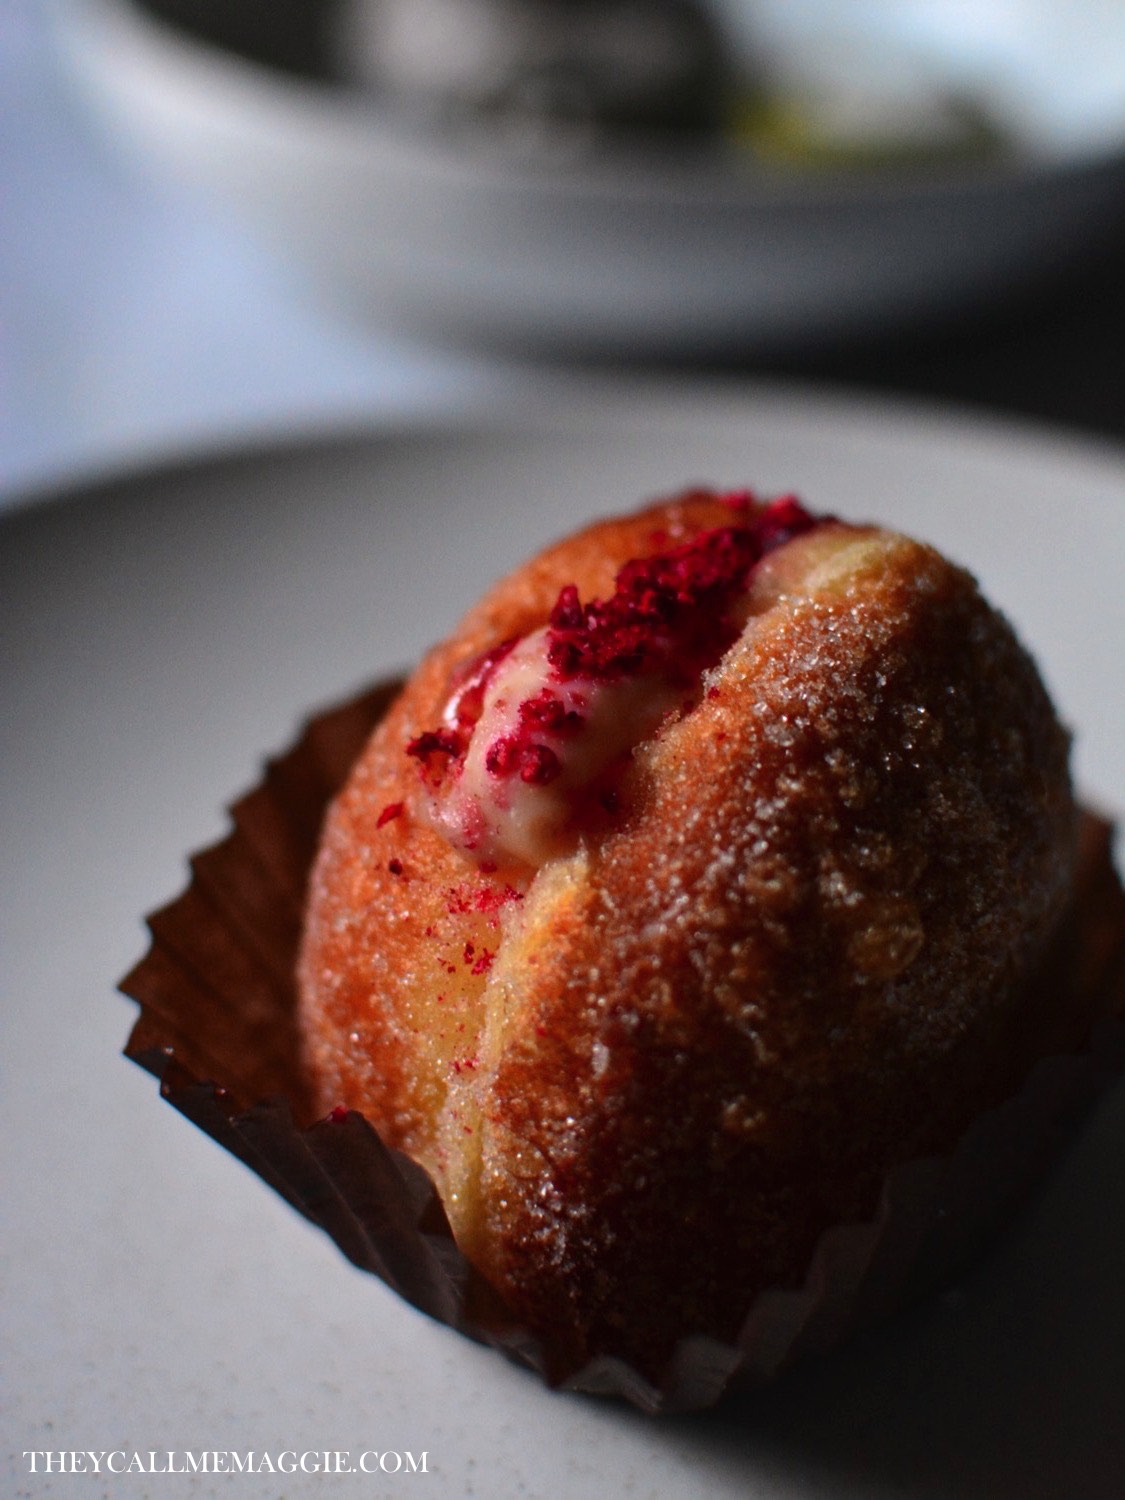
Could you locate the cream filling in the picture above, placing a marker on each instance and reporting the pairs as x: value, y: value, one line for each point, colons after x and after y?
x: 508, y: 816
x: 512, y: 817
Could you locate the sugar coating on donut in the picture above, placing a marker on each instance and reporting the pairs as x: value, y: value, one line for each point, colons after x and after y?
x: 655, y: 1017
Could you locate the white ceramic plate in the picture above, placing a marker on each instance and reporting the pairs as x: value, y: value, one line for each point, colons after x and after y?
x: 624, y: 252
x: 162, y: 635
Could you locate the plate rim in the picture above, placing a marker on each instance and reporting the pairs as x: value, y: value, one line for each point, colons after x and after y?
x: 560, y: 402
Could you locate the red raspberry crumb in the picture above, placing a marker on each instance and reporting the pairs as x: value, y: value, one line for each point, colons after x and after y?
x: 434, y: 742
x: 548, y: 714
x: 670, y: 613
x: 539, y: 765
x: 502, y: 758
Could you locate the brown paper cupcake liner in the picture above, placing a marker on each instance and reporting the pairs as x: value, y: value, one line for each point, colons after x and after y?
x: 218, y: 1027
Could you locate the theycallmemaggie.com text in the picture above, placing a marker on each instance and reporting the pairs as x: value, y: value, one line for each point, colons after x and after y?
x: 218, y: 1461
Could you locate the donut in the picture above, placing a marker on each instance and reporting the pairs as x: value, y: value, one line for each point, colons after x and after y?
x: 718, y: 862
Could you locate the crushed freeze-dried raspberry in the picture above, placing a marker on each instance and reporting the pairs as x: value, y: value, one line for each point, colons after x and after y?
x: 670, y: 611
x: 671, y: 616
x: 512, y: 754
x: 434, y: 742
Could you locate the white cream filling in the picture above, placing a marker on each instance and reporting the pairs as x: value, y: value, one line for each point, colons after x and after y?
x: 503, y: 817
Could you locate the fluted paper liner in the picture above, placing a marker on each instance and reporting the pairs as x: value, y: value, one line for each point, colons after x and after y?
x: 218, y: 1027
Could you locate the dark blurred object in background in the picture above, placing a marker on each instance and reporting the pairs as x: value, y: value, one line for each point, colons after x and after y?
x: 659, y: 64
x: 1056, y: 354
x: 294, y: 35
x: 632, y: 64
x: 541, y: 178
x: 477, y: 175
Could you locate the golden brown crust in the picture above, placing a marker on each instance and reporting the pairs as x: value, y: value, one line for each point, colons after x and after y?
x: 368, y: 981
x: 807, y: 954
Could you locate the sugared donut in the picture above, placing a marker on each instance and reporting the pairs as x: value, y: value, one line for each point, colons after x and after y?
x: 717, y: 863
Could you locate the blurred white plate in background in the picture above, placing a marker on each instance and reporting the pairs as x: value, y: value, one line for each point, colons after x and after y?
x: 621, y: 251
